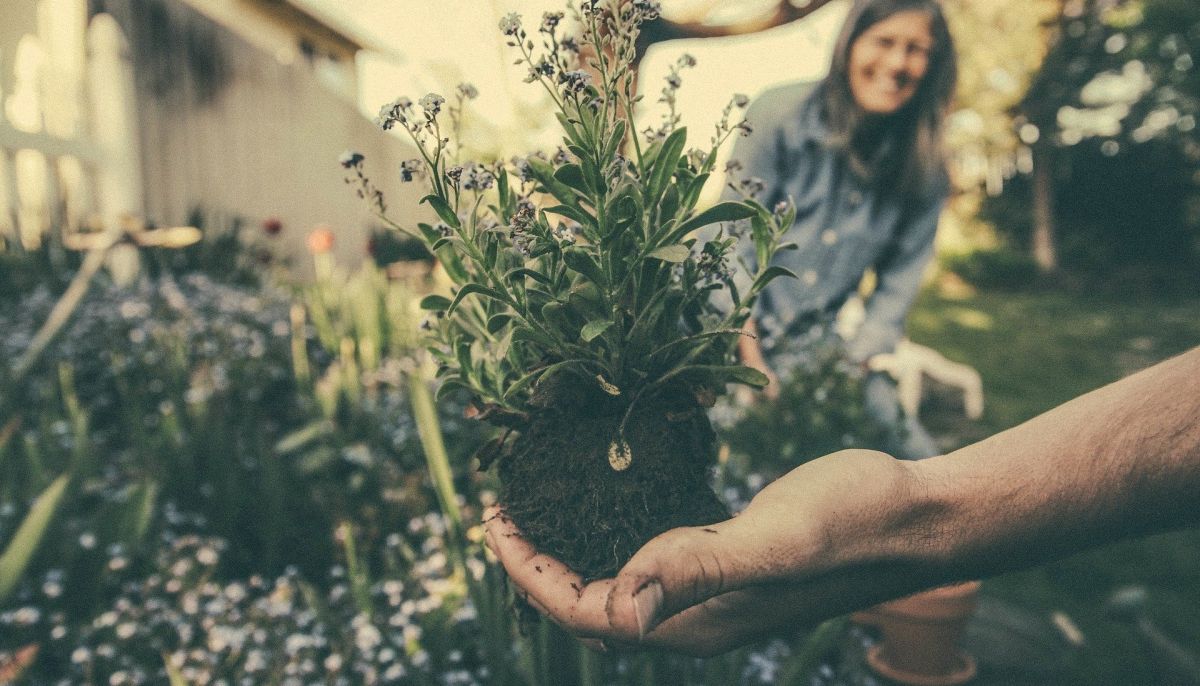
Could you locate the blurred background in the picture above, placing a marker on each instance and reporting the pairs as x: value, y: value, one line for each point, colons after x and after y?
x: 218, y: 456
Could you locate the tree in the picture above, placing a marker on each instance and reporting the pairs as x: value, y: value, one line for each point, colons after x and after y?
x: 1119, y: 76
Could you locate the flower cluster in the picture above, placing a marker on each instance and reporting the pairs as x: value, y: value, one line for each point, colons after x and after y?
x: 726, y: 125
x: 537, y: 289
x: 669, y: 97
x: 411, y: 169
x: 395, y: 112
x: 477, y: 177
x: 353, y: 162
x: 257, y: 629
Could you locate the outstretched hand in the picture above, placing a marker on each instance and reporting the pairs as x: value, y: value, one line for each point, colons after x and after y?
x: 858, y: 527
x: 704, y: 590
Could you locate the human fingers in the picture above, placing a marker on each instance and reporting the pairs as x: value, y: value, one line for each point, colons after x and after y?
x: 547, y: 584
x: 680, y: 569
x: 784, y: 535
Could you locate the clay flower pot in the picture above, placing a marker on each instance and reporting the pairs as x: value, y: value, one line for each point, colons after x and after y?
x: 921, y: 635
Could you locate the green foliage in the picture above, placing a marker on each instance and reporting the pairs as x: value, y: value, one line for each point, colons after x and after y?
x: 1117, y: 94
x: 604, y: 280
x: 232, y: 250
x: 1000, y: 269
x: 819, y: 411
x: 24, y: 543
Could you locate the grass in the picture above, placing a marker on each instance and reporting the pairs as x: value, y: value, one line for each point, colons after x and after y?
x: 1035, y: 351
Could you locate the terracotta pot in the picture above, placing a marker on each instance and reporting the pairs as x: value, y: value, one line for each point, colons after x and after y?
x: 921, y: 635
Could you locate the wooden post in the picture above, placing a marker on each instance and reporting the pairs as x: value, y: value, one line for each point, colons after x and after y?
x: 114, y: 123
x: 1045, y: 249
x: 11, y: 222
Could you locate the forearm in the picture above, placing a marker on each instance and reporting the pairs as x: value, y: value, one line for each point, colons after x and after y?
x: 1121, y: 461
x: 855, y: 528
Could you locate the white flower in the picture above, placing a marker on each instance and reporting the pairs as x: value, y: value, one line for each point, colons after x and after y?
x: 510, y: 25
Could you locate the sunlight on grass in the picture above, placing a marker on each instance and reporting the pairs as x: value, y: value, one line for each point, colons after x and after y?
x: 971, y: 319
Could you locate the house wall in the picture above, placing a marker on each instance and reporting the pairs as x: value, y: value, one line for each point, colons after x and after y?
x: 291, y: 36
x: 228, y: 129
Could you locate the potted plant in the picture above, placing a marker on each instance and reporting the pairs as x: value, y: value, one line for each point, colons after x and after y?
x: 921, y: 636
x: 584, y: 319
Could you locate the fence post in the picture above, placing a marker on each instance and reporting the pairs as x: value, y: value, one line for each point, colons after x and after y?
x: 11, y: 222
x: 114, y: 120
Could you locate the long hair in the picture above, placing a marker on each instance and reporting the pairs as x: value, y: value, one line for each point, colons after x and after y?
x: 909, y: 157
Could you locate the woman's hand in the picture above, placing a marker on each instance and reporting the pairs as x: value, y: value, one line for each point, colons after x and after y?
x: 704, y: 590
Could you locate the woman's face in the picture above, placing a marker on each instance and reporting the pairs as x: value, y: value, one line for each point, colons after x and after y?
x: 888, y: 61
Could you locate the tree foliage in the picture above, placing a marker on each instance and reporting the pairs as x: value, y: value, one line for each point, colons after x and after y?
x: 1113, y: 107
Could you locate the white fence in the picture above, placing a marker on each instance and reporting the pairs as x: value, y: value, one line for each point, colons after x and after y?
x: 59, y: 169
x: 153, y: 110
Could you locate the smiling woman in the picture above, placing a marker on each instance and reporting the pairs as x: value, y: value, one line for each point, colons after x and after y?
x: 889, y: 60
x: 859, y: 156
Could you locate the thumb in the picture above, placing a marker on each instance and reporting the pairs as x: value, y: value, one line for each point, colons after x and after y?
x: 677, y: 570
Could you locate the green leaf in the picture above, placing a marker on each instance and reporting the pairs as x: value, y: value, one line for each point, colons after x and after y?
x: 29, y: 536
x: 470, y: 288
x: 498, y: 321
x: 443, y: 209
x: 431, y: 234
x: 721, y: 212
x: 537, y: 374
x: 569, y: 129
x: 554, y: 313
x: 669, y: 204
x: 692, y: 194
x: 462, y: 357
x: 521, y: 272
x: 770, y: 274
x: 614, y: 140
x: 489, y: 256
x: 593, y: 329
x: 448, y: 385
x: 453, y: 265
x: 582, y: 262
x: 544, y: 173
x: 671, y: 253
x: 573, y: 213
x: 142, y: 512
x: 500, y: 350
x: 303, y: 436
x: 697, y: 338
x: 502, y: 187
x: 724, y: 374
x: 572, y: 175
x: 435, y: 302
x: 528, y: 333
x: 665, y: 163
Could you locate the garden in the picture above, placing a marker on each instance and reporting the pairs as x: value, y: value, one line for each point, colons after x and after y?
x: 215, y: 472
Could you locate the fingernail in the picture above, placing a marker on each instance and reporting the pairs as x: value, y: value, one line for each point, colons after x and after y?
x: 647, y: 601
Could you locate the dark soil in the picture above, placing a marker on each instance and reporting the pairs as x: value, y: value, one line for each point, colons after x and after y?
x: 559, y: 489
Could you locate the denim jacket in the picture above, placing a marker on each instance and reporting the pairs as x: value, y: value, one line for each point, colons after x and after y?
x: 843, y: 228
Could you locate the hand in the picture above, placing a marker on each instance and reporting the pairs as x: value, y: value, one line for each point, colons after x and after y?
x: 704, y: 590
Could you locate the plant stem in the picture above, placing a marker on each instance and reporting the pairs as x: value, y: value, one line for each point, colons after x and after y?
x: 438, y: 462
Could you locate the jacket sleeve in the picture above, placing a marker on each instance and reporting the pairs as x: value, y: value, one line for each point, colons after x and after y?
x: 898, y: 282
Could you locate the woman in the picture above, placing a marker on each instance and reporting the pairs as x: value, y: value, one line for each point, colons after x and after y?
x: 859, y: 156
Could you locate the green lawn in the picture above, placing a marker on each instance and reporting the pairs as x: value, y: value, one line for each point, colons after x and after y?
x: 1034, y: 351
